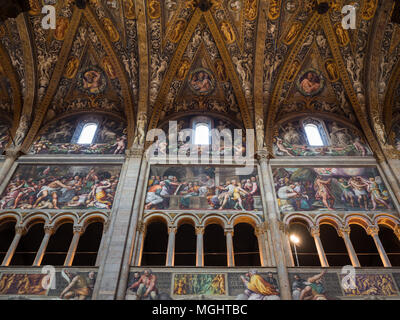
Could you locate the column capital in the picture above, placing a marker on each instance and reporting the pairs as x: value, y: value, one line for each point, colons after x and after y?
x: 20, y: 230
x: 263, y: 155
x: 343, y: 230
x: 283, y: 227
x: 200, y: 230
x: 372, y: 230
x: 79, y: 229
x: 314, y: 230
x: 172, y: 229
x: 49, y: 229
x: 261, y: 228
x: 228, y: 230
x: 141, y: 226
x: 12, y: 153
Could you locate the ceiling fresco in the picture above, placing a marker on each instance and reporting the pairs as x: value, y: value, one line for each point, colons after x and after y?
x: 256, y: 62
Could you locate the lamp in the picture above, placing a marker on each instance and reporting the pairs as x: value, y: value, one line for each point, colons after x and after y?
x: 295, y: 239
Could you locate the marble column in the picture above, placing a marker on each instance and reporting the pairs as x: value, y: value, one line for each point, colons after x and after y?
x: 114, y: 268
x: 48, y: 231
x: 171, y: 246
x: 273, y: 216
x: 373, y: 232
x: 345, y: 234
x: 141, y: 229
x: 393, y: 180
x: 229, y: 247
x: 396, y: 231
x: 11, y: 156
x: 259, y: 232
x: 321, y: 253
x: 78, y: 231
x: 131, y: 239
x: 100, y: 253
x: 199, y: 247
x: 287, y: 247
x: 19, y: 232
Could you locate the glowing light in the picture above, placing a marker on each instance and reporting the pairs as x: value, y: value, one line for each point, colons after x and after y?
x: 294, y: 239
x: 313, y: 135
x: 87, y: 133
x: 202, y: 134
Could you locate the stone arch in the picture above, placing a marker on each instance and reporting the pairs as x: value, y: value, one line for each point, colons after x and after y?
x: 157, y: 217
x: 357, y: 219
x: 299, y: 218
x: 10, y: 216
x: 93, y: 217
x: 186, y: 218
x: 61, y: 219
x: 387, y: 220
x: 245, y: 218
x: 35, y: 218
x: 331, y: 220
x: 215, y: 219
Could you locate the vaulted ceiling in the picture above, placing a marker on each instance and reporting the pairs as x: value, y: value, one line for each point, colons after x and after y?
x: 148, y: 58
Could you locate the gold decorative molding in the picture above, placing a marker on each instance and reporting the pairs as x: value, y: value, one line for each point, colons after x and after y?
x: 119, y: 70
x: 349, y: 89
x: 274, y: 101
x: 41, y: 110
x: 29, y: 64
x: 143, y: 58
x: 174, y: 65
x: 230, y: 70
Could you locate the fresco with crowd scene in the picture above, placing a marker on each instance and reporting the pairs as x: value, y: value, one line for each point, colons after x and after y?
x: 202, y: 188
x: 326, y: 189
x: 64, y: 284
x: 260, y: 284
x: 254, y: 284
x: 232, y: 145
x: 61, y: 187
x: 290, y: 140
x: 333, y: 285
x: 62, y: 136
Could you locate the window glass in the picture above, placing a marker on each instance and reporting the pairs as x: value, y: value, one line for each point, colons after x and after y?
x: 313, y: 135
x: 202, y: 134
x: 87, y: 133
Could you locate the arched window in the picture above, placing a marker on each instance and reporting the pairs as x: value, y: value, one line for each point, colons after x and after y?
x: 313, y: 135
x: 202, y: 134
x: 87, y: 134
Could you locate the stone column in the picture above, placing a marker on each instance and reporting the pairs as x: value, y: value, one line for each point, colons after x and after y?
x: 288, y: 247
x: 273, y: 216
x: 396, y: 231
x: 373, y: 232
x: 171, y: 246
x: 78, y: 230
x: 345, y: 234
x: 100, y: 253
x: 259, y: 232
x: 229, y: 247
x: 48, y: 231
x: 387, y: 169
x: 11, y: 156
x: 321, y: 253
x: 115, y: 264
x: 19, y: 232
x: 199, y: 247
x: 141, y: 229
